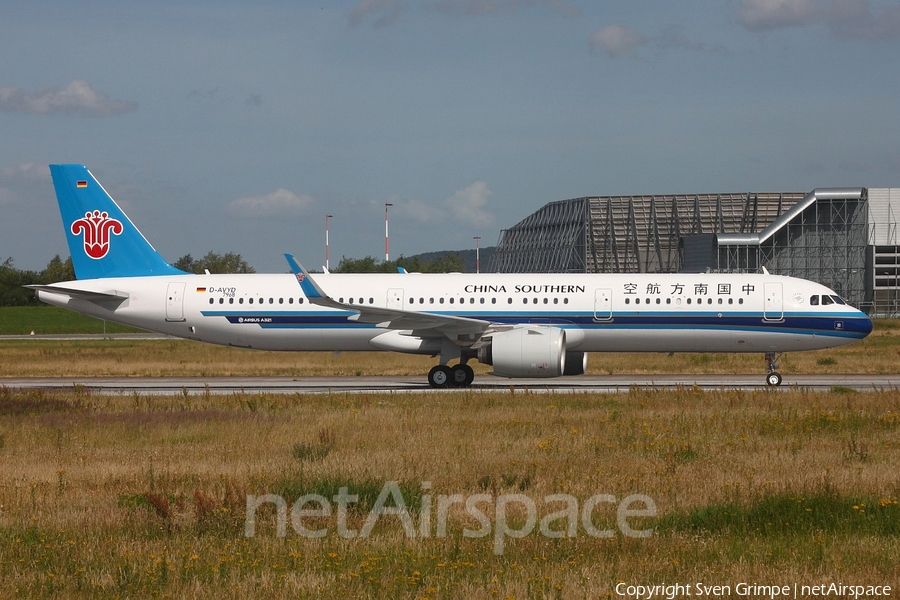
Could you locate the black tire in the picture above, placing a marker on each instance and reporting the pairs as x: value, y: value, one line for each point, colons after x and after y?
x: 773, y: 379
x: 462, y: 376
x: 439, y: 376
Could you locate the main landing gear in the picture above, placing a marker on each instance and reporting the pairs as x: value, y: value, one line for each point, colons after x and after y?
x: 773, y: 379
x: 459, y: 376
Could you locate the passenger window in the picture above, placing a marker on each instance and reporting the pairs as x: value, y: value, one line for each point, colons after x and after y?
x: 281, y: 301
x: 668, y: 301
x: 482, y: 300
x: 221, y: 300
x: 271, y: 300
x: 451, y: 300
x: 814, y: 300
x: 300, y: 301
x: 720, y: 301
x: 535, y: 301
x: 688, y: 300
x: 826, y: 300
x: 637, y: 300
x: 556, y: 301
x: 731, y: 301
x: 211, y: 300
x: 658, y: 300
x: 493, y: 301
x: 740, y: 300
x: 546, y: 301
x: 565, y: 300
x: 231, y: 301
x: 627, y: 300
x: 250, y: 300
x: 290, y: 300
x: 431, y: 301
x: 440, y: 300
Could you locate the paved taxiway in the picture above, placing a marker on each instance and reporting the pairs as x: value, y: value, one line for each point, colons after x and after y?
x: 396, y: 384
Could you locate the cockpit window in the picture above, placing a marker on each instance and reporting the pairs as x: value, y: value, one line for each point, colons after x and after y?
x: 826, y: 300
x: 814, y: 300
x: 838, y: 300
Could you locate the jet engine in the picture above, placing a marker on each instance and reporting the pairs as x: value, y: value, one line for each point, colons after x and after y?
x: 526, y: 352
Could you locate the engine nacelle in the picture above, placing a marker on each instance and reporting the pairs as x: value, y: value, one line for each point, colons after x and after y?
x: 526, y: 352
x: 576, y: 363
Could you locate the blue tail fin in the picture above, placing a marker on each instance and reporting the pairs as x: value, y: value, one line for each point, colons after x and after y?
x: 103, y: 242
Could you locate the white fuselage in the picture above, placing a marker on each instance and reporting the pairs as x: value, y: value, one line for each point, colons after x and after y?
x: 680, y: 312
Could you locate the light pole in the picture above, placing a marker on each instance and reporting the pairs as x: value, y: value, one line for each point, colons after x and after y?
x: 477, y: 239
x: 387, y: 254
x: 327, y: 266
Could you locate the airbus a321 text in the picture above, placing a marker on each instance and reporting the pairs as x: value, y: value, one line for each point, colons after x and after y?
x: 525, y: 325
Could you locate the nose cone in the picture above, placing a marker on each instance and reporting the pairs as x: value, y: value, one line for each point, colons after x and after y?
x: 865, y: 324
x: 860, y: 325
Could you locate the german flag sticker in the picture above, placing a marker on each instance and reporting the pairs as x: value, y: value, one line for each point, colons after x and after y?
x: 81, y: 184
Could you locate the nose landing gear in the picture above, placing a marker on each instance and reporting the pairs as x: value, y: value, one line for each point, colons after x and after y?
x: 773, y: 378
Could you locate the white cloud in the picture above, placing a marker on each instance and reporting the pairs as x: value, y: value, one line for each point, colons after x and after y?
x: 27, y: 172
x: 384, y: 12
x: 281, y: 202
x: 494, y: 7
x: 845, y: 19
x: 467, y: 205
x: 77, y: 99
x: 761, y: 15
x: 615, y: 41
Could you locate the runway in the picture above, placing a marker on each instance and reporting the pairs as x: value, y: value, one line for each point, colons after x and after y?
x: 417, y: 384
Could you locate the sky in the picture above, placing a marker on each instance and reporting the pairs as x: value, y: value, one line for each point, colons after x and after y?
x: 236, y: 126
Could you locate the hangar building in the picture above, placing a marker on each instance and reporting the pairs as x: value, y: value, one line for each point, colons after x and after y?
x: 845, y: 238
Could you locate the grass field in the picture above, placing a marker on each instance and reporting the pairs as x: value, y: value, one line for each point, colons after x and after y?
x: 146, y: 496
x: 23, y: 320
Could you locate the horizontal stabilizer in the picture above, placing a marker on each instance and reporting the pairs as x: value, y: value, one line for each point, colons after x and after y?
x: 89, y: 295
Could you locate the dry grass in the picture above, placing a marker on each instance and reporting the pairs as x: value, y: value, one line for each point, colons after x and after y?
x: 877, y: 354
x: 138, y: 496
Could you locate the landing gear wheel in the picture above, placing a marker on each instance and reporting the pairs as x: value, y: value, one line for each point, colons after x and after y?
x: 462, y: 376
x: 439, y: 376
x: 773, y: 379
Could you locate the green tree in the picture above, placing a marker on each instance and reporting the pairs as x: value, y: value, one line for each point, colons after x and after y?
x: 447, y: 263
x: 230, y: 262
x: 58, y: 270
x: 11, y: 281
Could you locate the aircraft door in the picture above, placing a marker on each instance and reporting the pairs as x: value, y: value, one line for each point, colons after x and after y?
x: 395, y: 298
x: 774, y: 305
x: 602, y: 305
x: 175, y: 302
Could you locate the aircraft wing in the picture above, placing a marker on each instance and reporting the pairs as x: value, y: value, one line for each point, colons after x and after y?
x: 90, y: 295
x: 422, y: 324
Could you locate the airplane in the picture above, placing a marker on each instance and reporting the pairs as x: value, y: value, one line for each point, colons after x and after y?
x: 529, y: 325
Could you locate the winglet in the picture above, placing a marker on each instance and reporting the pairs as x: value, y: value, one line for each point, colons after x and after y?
x: 310, y: 289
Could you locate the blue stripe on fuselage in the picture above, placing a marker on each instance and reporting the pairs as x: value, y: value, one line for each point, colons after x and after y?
x: 834, y: 324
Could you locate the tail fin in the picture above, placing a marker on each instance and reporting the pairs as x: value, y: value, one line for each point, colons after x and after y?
x: 103, y: 242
